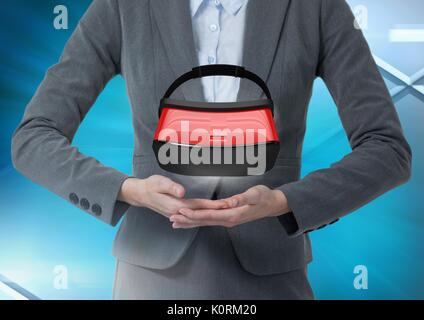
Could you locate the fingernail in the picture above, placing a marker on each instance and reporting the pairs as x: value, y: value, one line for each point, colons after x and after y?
x: 175, y: 226
x: 234, y: 202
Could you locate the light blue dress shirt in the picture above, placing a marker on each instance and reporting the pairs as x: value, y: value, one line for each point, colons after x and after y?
x: 218, y: 29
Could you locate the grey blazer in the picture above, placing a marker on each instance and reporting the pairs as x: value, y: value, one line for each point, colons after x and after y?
x: 150, y: 43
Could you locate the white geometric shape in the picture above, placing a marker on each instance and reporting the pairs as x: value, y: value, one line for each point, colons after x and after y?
x: 9, y: 292
x: 408, y: 82
x: 406, y: 35
x: 392, y: 70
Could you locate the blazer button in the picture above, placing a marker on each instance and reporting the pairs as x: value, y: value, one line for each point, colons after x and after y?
x: 85, y: 204
x: 74, y: 198
x: 97, y: 210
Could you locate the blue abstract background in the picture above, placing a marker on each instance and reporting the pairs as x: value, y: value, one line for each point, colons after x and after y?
x: 39, y: 231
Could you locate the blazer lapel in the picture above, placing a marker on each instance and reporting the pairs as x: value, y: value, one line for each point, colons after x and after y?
x: 173, y: 19
x: 264, y: 24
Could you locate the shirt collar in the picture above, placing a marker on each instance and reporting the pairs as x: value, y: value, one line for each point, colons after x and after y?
x: 231, y: 6
x: 194, y: 6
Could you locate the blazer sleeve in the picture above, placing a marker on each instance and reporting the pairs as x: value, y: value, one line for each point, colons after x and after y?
x: 41, y: 145
x: 380, y: 157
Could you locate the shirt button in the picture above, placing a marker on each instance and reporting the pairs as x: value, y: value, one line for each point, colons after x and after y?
x: 213, y: 27
x: 211, y: 59
x: 217, y: 2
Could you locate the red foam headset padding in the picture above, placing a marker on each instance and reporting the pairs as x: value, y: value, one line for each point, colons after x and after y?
x: 216, y: 128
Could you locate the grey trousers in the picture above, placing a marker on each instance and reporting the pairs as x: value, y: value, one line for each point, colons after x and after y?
x: 209, y: 270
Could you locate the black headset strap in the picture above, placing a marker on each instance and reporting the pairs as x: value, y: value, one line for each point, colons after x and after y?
x: 218, y: 70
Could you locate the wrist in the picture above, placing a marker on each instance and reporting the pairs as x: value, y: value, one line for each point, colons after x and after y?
x: 280, y: 203
x: 130, y: 191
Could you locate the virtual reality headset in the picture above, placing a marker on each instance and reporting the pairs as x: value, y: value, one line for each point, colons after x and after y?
x: 216, y: 139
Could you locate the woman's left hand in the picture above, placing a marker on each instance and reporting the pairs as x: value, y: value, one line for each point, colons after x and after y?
x: 256, y: 203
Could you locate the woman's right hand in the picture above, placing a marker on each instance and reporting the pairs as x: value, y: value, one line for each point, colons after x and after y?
x: 162, y: 195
